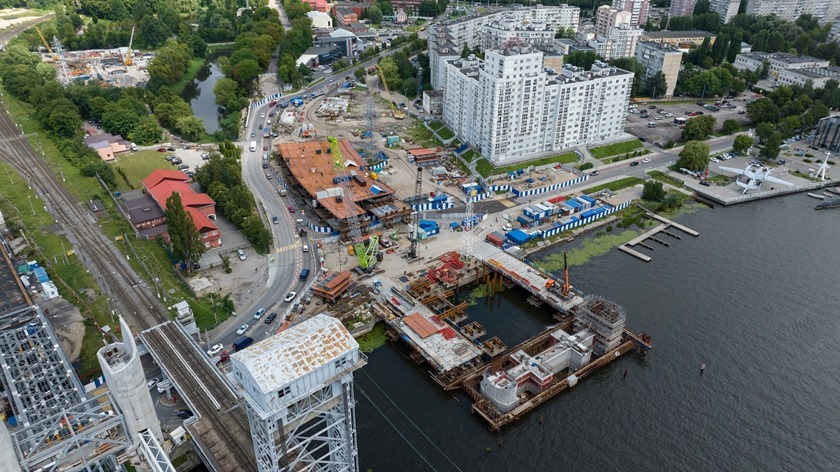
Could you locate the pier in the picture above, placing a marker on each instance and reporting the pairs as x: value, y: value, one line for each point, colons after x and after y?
x: 651, y: 234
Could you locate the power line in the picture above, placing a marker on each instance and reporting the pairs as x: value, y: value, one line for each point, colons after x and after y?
x: 410, y: 421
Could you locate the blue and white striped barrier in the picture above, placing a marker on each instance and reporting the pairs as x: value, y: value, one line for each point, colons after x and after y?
x: 378, y: 167
x: 432, y: 206
x: 500, y: 188
x: 574, y: 224
x: 265, y: 100
x: 483, y: 196
x: 321, y: 229
x: 550, y: 188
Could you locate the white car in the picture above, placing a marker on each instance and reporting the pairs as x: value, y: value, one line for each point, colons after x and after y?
x: 262, y: 115
x: 152, y: 382
x: 645, y: 160
x: 507, y: 227
x: 241, y: 254
x: 290, y: 296
x: 242, y: 329
x: 305, y: 248
x: 259, y: 313
x: 217, y: 348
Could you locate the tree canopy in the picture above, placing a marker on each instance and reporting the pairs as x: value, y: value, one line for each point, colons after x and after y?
x: 694, y: 156
x: 184, y: 238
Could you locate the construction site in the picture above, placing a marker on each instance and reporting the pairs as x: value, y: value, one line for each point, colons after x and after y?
x: 118, y: 67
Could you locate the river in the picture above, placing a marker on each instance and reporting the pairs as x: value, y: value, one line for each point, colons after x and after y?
x: 754, y: 298
x: 199, y: 94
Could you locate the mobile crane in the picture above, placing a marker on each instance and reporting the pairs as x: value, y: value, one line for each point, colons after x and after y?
x: 398, y: 114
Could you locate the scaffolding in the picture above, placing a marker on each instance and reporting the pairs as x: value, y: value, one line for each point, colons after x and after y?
x: 606, y: 318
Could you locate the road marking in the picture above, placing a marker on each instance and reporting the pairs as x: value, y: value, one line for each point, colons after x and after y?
x: 287, y: 247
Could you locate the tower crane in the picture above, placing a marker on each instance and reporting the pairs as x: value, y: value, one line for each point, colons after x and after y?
x: 129, y: 56
x: 63, y: 73
x: 366, y: 254
x: 398, y: 114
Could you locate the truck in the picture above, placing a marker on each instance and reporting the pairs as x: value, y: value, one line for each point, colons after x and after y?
x: 253, y: 146
x: 282, y: 191
x: 266, y: 132
x: 242, y: 343
x: 297, y: 101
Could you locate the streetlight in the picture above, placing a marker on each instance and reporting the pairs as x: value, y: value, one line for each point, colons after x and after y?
x: 29, y: 197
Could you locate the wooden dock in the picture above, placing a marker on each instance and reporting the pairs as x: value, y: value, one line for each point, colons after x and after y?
x: 624, y: 248
x: 663, y: 227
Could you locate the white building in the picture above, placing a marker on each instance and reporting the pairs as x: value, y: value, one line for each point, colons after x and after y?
x: 607, y: 17
x: 818, y: 77
x: 823, y: 10
x: 615, y: 36
x: 320, y: 19
x: 500, y: 32
x: 448, y: 38
x: 682, y: 8
x: 510, y: 107
x: 298, y: 386
x: 725, y: 8
x: 658, y: 57
x: 779, y: 61
x: 637, y: 8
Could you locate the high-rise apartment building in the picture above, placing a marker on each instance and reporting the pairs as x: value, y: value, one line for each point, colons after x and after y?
x: 659, y: 57
x: 823, y: 10
x: 607, y: 17
x: 637, y: 8
x: 615, y: 36
x: 682, y: 8
x: 725, y: 8
x: 510, y: 107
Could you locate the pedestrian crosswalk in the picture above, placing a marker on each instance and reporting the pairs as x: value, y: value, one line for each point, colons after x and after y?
x: 288, y: 247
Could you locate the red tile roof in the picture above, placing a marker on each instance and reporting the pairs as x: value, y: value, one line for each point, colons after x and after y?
x: 159, y: 175
x: 160, y: 184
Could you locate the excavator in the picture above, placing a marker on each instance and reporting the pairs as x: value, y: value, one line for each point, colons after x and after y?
x: 398, y: 114
x: 365, y: 251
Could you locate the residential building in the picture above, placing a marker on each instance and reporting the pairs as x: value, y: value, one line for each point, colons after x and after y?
x: 607, y: 17
x: 818, y: 77
x: 499, y: 32
x: 637, y: 8
x: 823, y: 10
x: 143, y: 212
x: 621, y: 41
x: 320, y: 19
x: 160, y: 185
x: 834, y: 33
x: 410, y: 7
x: 345, y: 16
x: 658, y: 57
x: 680, y: 39
x: 511, y: 108
x: 725, y: 8
x: 448, y: 38
x: 779, y: 61
x: 318, y: 6
x: 433, y: 101
x: 682, y: 8
x: 828, y: 133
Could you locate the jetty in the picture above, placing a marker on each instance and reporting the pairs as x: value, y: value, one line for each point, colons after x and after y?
x: 651, y: 235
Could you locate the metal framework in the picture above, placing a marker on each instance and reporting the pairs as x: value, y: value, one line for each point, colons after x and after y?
x: 89, y: 436
x: 63, y: 73
x: 318, y: 432
x: 467, y: 241
x: 38, y: 377
x: 156, y: 458
x: 415, y: 216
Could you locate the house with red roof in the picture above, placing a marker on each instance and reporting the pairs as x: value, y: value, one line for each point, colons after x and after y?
x: 160, y: 184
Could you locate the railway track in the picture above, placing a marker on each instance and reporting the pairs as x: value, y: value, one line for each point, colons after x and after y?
x: 95, y: 250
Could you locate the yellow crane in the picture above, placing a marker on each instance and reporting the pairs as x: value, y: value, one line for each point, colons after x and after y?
x: 398, y: 114
x: 43, y: 39
x: 129, y: 56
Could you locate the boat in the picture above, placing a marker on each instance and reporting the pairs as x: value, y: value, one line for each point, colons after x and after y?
x: 817, y: 196
x: 834, y: 190
x: 833, y: 203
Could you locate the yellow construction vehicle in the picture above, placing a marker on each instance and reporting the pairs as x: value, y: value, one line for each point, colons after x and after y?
x: 129, y: 56
x: 398, y: 114
x: 43, y: 39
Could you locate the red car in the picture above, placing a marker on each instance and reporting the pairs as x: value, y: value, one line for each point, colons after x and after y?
x: 291, y: 209
x: 265, y: 148
x: 161, y: 149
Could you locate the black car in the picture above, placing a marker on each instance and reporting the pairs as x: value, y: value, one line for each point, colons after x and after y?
x: 265, y: 165
x: 184, y: 414
x: 705, y: 183
x: 270, y: 318
x: 170, y: 149
x: 594, y: 173
x: 634, y: 163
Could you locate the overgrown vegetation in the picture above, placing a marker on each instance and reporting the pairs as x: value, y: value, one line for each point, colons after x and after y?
x: 665, y: 178
x: 373, y: 340
x: 615, y: 185
x: 399, y: 72
x: 486, y: 169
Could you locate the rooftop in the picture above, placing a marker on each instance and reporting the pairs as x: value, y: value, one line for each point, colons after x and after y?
x: 314, y: 168
x: 676, y: 34
x: 817, y: 73
x: 277, y: 361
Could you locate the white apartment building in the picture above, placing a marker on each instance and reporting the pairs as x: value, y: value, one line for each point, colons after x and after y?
x: 510, y: 107
x: 779, y: 61
x: 637, y: 8
x: 615, y: 36
x: 447, y: 39
x: 606, y: 18
x: 823, y: 10
x: 500, y: 32
x: 818, y: 77
x: 725, y: 8
x: 657, y: 57
x: 682, y: 8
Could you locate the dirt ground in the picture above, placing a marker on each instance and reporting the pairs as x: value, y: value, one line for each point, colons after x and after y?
x: 68, y: 324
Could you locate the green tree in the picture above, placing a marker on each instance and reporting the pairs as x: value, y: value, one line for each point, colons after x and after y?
x: 694, y: 156
x: 763, y: 110
x: 360, y: 74
x: 374, y: 14
x: 763, y: 131
x: 228, y: 95
x: 169, y: 64
x: 190, y: 128
x: 742, y: 143
x: 119, y: 120
x: 772, y: 147
x: 147, y: 131
x: 657, y: 85
x: 698, y: 128
x: 731, y: 126
x: 184, y: 237
x: 583, y: 59
x: 653, y: 191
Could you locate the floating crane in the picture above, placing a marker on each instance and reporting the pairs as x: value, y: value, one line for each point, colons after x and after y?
x: 129, y: 56
x: 366, y: 254
x: 398, y: 114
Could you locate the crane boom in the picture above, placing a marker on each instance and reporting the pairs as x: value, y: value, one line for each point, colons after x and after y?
x: 365, y: 254
x: 129, y: 56
x: 398, y: 114
x: 43, y: 39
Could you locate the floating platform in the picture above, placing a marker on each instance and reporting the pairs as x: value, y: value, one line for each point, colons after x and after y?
x: 651, y: 234
x: 634, y: 253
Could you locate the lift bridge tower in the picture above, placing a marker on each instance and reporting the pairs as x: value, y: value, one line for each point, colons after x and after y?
x: 298, y: 386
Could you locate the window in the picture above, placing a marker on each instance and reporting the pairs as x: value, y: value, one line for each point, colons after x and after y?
x: 283, y: 392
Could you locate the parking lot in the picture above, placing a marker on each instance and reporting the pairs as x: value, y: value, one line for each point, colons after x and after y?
x: 652, y: 123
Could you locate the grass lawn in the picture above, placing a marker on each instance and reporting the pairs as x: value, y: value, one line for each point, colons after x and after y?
x: 422, y: 136
x: 615, y: 148
x: 436, y: 125
x: 445, y: 133
x: 138, y: 165
x: 486, y: 169
x: 720, y: 179
x: 469, y: 155
x: 663, y: 177
x: 616, y: 185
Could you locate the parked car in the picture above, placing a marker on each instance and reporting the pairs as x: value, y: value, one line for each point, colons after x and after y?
x: 170, y: 149
x: 241, y: 254
x: 152, y: 382
x: 184, y: 414
x: 217, y: 348
x: 705, y: 183
x: 289, y: 297
x: 507, y: 227
x: 242, y: 329
x: 270, y: 318
x: 291, y: 209
x: 162, y: 387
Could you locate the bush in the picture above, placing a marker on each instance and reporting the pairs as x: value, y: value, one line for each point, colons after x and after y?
x: 586, y: 166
